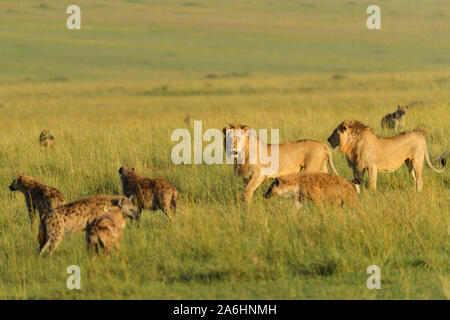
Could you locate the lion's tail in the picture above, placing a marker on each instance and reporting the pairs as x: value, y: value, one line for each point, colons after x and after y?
x: 441, y: 159
x: 330, y: 162
x: 422, y: 130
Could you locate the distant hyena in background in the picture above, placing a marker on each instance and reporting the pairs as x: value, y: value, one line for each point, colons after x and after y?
x: 317, y: 187
x: 395, y: 120
x: 37, y: 196
x: 150, y: 194
x: 105, y: 232
x: 46, y: 139
x: 73, y: 217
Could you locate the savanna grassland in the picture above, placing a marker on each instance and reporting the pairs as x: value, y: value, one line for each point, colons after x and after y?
x: 113, y: 92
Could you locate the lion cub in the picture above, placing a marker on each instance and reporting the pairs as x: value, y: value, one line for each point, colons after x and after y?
x: 46, y: 139
x: 150, y: 194
x: 317, y: 187
x: 106, y: 231
x: 38, y: 196
x: 396, y: 119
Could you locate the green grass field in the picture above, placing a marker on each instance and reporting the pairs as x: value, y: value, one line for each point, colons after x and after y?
x: 113, y: 92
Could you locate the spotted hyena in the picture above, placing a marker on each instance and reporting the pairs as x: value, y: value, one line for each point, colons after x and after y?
x: 395, y: 120
x: 46, y: 139
x: 317, y: 187
x: 38, y: 196
x: 150, y: 194
x: 73, y: 217
x: 105, y: 232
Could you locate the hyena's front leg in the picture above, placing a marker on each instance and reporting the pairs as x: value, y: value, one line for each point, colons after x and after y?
x: 254, y: 183
x: 30, y: 207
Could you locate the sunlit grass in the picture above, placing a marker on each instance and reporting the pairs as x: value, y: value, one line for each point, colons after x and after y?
x: 266, y: 250
x: 113, y: 92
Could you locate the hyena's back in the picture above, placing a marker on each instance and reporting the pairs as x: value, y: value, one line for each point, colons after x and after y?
x: 72, y: 218
x: 152, y: 194
x: 105, y: 231
x: 77, y: 213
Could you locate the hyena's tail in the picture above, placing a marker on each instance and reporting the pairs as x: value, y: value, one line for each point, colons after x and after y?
x: 43, y: 239
x: 330, y: 161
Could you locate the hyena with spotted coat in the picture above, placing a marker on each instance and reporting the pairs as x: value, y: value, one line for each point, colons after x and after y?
x: 148, y: 193
x: 105, y: 232
x: 46, y: 139
x: 38, y: 196
x: 73, y: 217
x: 317, y: 187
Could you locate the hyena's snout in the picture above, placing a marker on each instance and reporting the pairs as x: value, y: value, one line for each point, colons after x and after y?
x: 12, y: 188
x: 270, y: 192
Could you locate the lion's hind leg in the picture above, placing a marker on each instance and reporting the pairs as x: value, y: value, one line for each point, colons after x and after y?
x: 417, y: 167
x: 410, y: 169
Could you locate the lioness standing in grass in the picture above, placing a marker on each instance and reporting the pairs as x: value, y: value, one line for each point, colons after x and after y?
x: 148, y: 193
x: 105, y: 232
x: 73, y: 217
x: 396, y: 119
x: 292, y: 156
x: 317, y: 187
x: 38, y: 196
x: 366, y: 151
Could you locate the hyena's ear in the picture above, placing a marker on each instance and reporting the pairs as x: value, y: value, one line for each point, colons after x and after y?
x: 120, y: 170
x: 132, y: 169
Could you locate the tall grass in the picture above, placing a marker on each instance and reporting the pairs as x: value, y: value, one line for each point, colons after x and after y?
x: 217, y: 247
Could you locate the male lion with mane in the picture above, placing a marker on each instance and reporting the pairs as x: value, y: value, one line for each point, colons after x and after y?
x: 366, y: 151
x: 292, y: 156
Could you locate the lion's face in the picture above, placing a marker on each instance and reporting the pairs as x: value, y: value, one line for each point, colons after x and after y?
x: 235, y: 139
x: 339, y: 135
